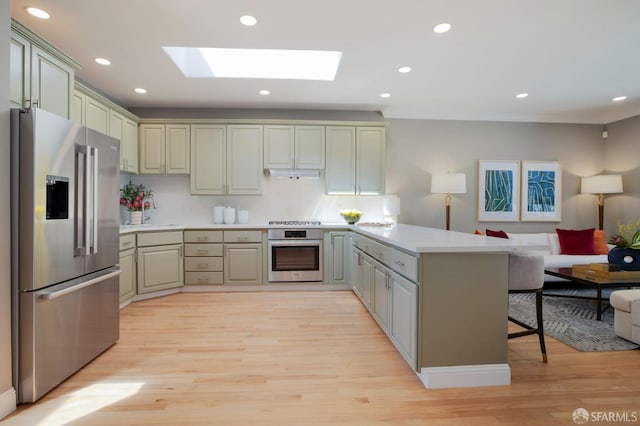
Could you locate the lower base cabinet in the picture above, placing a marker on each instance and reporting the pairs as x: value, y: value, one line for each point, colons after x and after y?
x: 243, y: 264
x: 381, y: 296
x: 404, y: 317
x: 336, y: 249
x: 127, y: 274
x: 160, y: 261
x: 391, y: 298
x: 127, y: 266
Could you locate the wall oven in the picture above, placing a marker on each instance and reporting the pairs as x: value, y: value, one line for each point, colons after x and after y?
x: 295, y: 255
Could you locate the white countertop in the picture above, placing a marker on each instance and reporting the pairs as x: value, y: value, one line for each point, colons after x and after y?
x: 418, y: 239
x: 124, y: 229
x: 415, y: 239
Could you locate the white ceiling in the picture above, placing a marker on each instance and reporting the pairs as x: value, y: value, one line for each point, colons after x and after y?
x: 571, y: 56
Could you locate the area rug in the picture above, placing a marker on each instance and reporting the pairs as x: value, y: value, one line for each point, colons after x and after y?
x: 571, y: 321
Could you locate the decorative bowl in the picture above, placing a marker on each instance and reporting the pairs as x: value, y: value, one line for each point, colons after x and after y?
x: 351, y: 216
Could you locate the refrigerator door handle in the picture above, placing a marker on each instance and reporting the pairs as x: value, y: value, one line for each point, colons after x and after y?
x: 81, y: 235
x: 94, y: 213
x: 87, y: 197
x: 60, y: 293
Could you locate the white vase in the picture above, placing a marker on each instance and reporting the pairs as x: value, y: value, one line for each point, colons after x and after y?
x: 135, y: 218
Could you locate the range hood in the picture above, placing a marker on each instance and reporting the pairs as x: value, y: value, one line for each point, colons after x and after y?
x: 293, y: 173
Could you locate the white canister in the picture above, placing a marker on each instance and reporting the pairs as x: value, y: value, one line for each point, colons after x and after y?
x: 229, y: 215
x: 218, y: 214
x: 243, y: 216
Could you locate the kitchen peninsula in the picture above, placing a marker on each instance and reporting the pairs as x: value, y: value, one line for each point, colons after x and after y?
x: 440, y: 296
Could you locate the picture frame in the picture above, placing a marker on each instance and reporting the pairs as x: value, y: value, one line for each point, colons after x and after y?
x: 541, y: 191
x: 498, y: 190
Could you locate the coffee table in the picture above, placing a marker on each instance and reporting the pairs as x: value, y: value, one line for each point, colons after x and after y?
x: 596, y: 282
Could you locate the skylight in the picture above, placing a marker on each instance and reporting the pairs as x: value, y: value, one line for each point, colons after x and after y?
x: 203, y: 62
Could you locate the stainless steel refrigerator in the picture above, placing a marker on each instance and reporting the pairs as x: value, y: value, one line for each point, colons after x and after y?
x: 65, y: 224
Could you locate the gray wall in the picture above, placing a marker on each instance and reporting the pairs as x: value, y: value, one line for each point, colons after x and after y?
x: 6, y: 391
x: 622, y: 155
x: 416, y: 149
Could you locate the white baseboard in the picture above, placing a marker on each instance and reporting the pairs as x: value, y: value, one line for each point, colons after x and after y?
x: 465, y: 376
x: 7, y: 402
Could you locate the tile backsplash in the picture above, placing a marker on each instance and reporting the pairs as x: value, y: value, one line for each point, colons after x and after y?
x: 282, y: 199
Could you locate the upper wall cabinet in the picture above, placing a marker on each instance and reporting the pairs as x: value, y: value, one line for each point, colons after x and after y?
x: 164, y: 148
x: 355, y: 160
x: 370, y: 160
x: 226, y: 159
x: 93, y: 110
x: 40, y: 75
x: 244, y: 159
x: 294, y: 147
x: 126, y: 131
x: 208, y: 159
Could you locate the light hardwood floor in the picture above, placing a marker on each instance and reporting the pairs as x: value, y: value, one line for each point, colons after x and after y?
x: 310, y: 358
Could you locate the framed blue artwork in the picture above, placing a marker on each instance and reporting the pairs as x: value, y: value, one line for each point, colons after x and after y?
x: 498, y: 190
x: 541, y: 191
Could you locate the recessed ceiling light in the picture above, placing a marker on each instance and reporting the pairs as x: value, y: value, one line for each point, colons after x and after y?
x: 38, y: 13
x: 140, y: 90
x: 442, y: 28
x: 103, y: 61
x: 404, y: 70
x: 248, y: 20
x: 522, y: 95
x: 619, y: 98
x: 385, y: 95
x: 255, y: 63
x: 264, y: 92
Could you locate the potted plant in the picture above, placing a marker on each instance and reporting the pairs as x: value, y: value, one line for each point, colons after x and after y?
x: 133, y: 198
x: 626, y: 252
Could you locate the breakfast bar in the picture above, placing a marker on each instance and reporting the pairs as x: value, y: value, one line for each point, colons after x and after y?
x: 462, y: 304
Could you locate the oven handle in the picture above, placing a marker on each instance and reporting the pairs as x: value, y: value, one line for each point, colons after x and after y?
x: 285, y: 243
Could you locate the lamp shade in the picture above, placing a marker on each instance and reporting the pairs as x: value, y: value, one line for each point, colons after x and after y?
x: 601, y: 184
x: 450, y: 183
x: 391, y: 206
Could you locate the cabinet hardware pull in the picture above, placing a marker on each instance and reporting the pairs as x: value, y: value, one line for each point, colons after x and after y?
x: 244, y: 239
x: 401, y: 264
x: 202, y: 251
x: 202, y: 265
x: 203, y: 239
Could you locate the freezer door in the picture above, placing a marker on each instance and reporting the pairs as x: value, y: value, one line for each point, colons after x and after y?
x: 47, y: 146
x: 103, y: 194
x: 64, y: 327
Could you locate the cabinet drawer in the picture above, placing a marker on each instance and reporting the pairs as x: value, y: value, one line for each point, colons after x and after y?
x: 199, y: 278
x: 404, y: 264
x: 202, y: 250
x: 203, y: 264
x: 127, y: 241
x: 159, y: 238
x: 202, y: 236
x: 242, y: 236
x: 380, y: 252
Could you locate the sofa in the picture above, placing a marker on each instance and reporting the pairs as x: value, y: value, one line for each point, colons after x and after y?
x: 548, y: 245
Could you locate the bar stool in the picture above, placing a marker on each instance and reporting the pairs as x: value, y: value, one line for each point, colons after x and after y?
x: 526, y: 275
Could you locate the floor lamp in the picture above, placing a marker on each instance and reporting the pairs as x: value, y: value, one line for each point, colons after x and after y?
x: 450, y: 183
x: 601, y: 184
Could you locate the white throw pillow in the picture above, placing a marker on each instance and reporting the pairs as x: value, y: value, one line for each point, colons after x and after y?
x: 554, y: 243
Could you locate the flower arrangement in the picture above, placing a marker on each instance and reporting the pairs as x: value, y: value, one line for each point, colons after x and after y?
x: 351, y: 215
x: 628, y: 235
x: 132, y: 196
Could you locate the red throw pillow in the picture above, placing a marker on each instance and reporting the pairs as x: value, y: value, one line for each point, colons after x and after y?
x: 576, y: 241
x: 498, y: 234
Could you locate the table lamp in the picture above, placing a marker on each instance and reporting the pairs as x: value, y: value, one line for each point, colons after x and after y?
x: 450, y: 183
x: 601, y: 184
